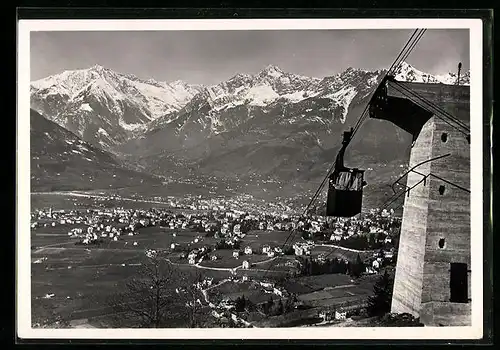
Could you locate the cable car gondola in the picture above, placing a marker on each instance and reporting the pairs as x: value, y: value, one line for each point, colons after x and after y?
x: 345, y: 186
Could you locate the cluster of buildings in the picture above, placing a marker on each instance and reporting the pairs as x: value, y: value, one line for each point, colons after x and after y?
x: 377, y: 223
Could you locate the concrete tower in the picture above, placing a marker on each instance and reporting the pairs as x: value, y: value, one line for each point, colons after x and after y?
x: 433, y: 269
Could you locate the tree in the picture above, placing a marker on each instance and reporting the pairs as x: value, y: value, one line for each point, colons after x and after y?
x: 289, y: 304
x: 191, y: 293
x: 358, y: 267
x: 158, y: 296
x: 279, y: 308
x: 380, y: 303
x: 268, y: 306
x: 240, y: 304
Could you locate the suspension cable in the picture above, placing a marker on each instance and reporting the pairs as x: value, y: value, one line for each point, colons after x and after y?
x: 426, y: 107
x: 431, y: 104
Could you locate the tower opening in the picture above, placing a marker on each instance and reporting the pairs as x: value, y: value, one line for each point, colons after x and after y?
x: 441, y: 243
x: 441, y: 189
x: 444, y: 137
x: 458, y: 283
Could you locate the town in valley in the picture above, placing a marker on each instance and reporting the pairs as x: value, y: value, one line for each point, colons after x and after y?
x: 83, y: 254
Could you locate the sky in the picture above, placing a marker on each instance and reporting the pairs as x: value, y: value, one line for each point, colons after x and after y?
x: 209, y: 57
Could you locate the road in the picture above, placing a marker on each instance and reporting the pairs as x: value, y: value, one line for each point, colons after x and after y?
x: 344, y: 248
x: 214, y: 307
x: 227, y: 269
x: 87, y: 195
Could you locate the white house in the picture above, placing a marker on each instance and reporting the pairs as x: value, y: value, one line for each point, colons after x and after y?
x: 370, y: 271
x: 236, y: 254
x: 375, y: 265
x: 245, y: 264
x: 335, y: 237
x: 266, y: 249
x: 237, y: 229
x: 193, y: 254
x: 302, y: 249
x: 298, y: 250
x: 325, y: 315
x: 270, y: 254
x: 248, y: 250
x: 340, y: 315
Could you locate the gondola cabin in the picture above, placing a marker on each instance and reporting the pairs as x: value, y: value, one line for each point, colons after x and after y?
x: 345, y: 193
x: 345, y: 186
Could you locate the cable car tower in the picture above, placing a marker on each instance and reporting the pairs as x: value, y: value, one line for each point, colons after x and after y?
x: 432, y: 279
x: 433, y: 269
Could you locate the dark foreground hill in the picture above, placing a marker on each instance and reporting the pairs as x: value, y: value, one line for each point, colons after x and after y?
x: 60, y: 161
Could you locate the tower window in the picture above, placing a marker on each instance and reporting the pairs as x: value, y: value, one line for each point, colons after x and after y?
x: 444, y: 137
x: 441, y: 243
x: 441, y: 189
x: 458, y: 283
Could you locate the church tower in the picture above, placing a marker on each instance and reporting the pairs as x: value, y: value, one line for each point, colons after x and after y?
x: 432, y: 279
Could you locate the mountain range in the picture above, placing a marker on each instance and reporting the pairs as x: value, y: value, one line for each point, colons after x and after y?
x: 275, y: 124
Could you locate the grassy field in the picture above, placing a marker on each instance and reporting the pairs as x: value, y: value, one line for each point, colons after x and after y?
x: 83, y: 277
x: 226, y: 259
x: 274, y: 238
x: 334, y: 252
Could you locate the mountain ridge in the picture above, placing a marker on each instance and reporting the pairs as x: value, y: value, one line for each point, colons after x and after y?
x: 107, y: 108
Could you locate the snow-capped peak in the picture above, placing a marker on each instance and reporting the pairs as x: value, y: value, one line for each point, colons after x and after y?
x: 98, y: 68
x: 99, y: 97
x: 406, y: 72
x: 272, y: 70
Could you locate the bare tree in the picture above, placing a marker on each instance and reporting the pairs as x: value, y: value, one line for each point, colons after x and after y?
x: 191, y: 292
x: 150, y: 299
x: 159, y: 296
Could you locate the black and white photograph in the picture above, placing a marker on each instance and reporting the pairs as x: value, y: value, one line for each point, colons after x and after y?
x: 231, y: 179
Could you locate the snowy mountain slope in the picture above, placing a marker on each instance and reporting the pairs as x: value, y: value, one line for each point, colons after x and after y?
x: 272, y: 87
x: 269, y: 104
x: 288, y: 122
x: 60, y: 160
x: 107, y: 108
x: 407, y: 72
x: 104, y: 107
